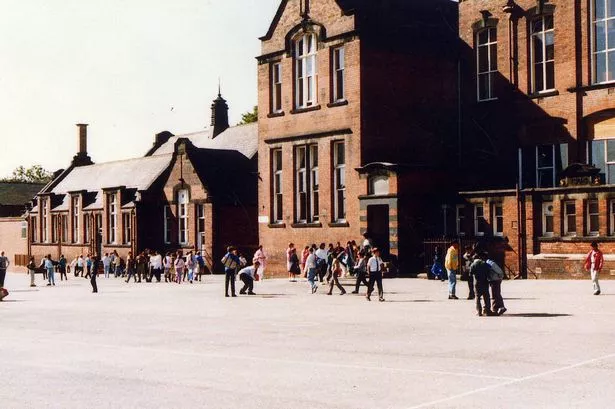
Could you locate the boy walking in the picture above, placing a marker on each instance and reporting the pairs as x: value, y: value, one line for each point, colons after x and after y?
x: 451, y: 263
x: 594, y: 263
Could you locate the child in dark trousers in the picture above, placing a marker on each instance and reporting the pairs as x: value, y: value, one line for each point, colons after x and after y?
x: 480, y: 270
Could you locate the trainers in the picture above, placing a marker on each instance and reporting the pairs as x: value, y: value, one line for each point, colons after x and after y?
x: 597, y: 292
x: 251, y: 293
x: 343, y: 293
x: 355, y: 292
x: 368, y: 297
x: 242, y: 292
x: 502, y: 311
x: 381, y: 299
x: 479, y: 313
x: 470, y: 297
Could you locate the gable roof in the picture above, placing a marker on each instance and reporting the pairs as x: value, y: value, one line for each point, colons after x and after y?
x: 137, y: 173
x: 14, y: 193
x: 241, y: 138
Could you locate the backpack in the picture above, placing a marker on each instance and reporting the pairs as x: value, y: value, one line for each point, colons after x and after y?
x: 495, y: 272
x: 228, y: 262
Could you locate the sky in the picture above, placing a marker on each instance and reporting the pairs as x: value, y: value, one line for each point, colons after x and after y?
x: 128, y: 68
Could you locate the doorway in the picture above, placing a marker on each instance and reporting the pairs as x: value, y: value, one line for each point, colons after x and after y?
x: 378, y: 227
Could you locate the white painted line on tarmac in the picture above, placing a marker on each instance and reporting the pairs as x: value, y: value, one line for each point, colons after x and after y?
x: 282, y: 361
x: 512, y: 382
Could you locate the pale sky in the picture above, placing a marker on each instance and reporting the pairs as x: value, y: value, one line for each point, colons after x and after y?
x: 120, y: 66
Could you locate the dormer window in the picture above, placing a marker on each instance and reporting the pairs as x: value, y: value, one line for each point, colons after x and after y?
x: 306, y: 70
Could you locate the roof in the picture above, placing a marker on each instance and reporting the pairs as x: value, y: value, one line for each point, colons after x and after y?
x: 13, y: 193
x: 241, y: 138
x: 137, y: 173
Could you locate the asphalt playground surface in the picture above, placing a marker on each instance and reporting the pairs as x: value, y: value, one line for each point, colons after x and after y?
x: 187, y: 346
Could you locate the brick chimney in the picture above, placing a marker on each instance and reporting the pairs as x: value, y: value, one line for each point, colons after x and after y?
x: 82, y: 158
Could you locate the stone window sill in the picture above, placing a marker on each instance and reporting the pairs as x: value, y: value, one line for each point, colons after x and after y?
x: 547, y: 94
x: 339, y: 224
x: 275, y: 114
x: 337, y: 104
x: 303, y: 110
x: 305, y: 225
x: 277, y: 225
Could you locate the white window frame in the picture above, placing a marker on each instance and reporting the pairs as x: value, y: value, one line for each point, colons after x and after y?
x: 589, y: 215
x: 167, y: 220
x: 301, y: 184
x: 339, y: 182
x: 548, y: 213
x: 277, y: 196
x: 567, y: 231
x: 306, y: 79
x: 552, y: 167
x: 126, y: 228
x: 460, y: 218
x: 87, y: 227
x: 112, y: 218
x: 477, y: 223
x: 490, y: 72
x: 76, y: 215
x: 606, y: 51
x: 54, y: 228
x: 200, y: 218
x: 64, y: 228
x: 276, y: 87
x: 24, y: 230
x: 34, y: 229
x: 338, y: 68
x: 182, y: 215
x: 542, y: 65
x: 314, y: 183
x: 497, y: 218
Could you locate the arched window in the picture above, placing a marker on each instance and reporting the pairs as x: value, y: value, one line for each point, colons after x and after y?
x: 542, y: 54
x: 306, y: 70
x: 486, y: 62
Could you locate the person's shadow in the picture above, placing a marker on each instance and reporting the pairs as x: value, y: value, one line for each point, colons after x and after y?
x: 536, y: 315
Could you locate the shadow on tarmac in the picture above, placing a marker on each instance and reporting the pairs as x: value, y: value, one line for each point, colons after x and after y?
x: 536, y: 315
x: 412, y: 301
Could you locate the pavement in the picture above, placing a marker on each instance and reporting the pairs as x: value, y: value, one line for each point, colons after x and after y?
x: 187, y: 346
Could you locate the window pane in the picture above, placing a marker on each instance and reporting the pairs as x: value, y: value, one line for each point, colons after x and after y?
x: 549, y: 46
x: 599, y: 9
x: 600, y: 39
x: 570, y: 208
x: 545, y: 178
x: 548, y: 22
x: 610, y: 8
x: 592, y: 206
x: 539, y: 84
x: 550, y: 79
x: 611, y: 34
x: 610, y: 150
x: 545, y: 156
x: 548, y: 224
x: 611, y: 71
x: 340, y: 154
x: 600, y: 67
x: 594, y: 225
x: 493, y: 35
x: 537, y: 25
x: 537, y: 40
x: 483, y: 37
x: 483, y: 86
x: 483, y: 61
x: 493, y: 57
x: 610, y: 174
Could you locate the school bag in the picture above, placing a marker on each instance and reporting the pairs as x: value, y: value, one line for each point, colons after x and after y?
x: 495, y: 272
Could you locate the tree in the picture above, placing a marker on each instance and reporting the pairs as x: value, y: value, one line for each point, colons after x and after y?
x: 249, y: 117
x: 33, y: 174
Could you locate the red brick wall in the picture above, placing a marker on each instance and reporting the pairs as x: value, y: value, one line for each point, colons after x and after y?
x: 11, y: 241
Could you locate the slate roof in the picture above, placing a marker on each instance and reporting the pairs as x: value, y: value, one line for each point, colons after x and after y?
x: 241, y: 138
x: 12, y: 193
x: 138, y: 173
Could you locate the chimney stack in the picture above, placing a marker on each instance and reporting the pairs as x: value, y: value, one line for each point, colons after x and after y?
x: 82, y: 158
x: 83, y: 138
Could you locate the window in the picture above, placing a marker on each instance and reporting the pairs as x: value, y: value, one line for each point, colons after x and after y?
x: 88, y: 228
x: 44, y: 214
x: 545, y: 164
x: 276, y: 171
x: 305, y: 70
x: 480, y: 224
x: 603, y: 44
x: 200, y: 217
x: 570, y: 219
x: 339, y: 181
x: 543, y: 54
x: 112, y: 220
x: 487, y: 62
x: 276, y: 87
x: 33, y: 228
x: 24, y: 230
x: 306, y: 184
x: 593, y: 218
x: 75, y: 213
x: 54, y: 228
x: 64, y: 228
x: 338, y: 74
x: 460, y: 218
x: 612, y: 217
x: 603, y: 157
x: 126, y: 228
x: 547, y: 219
x: 498, y: 219
x: 167, y: 224
x: 182, y: 211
